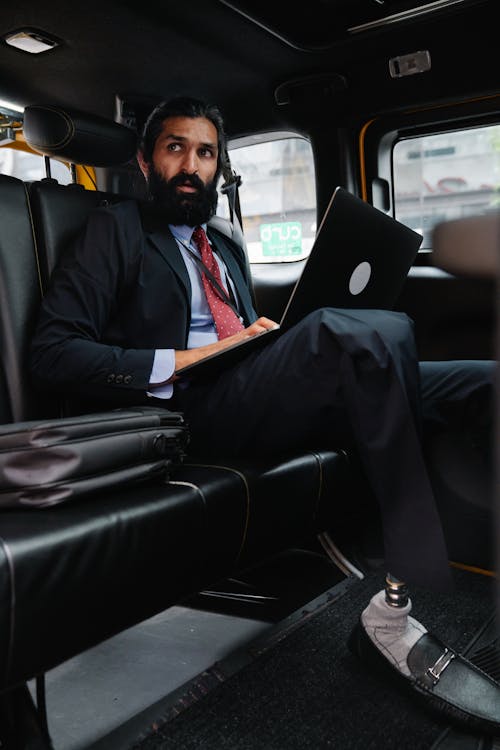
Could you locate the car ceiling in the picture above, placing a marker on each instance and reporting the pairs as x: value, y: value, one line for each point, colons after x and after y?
x: 117, y: 58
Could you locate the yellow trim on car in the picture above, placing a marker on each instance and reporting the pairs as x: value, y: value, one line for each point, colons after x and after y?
x: 85, y: 175
x: 362, y: 132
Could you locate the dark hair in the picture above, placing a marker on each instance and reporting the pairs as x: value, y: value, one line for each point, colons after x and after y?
x: 185, y: 106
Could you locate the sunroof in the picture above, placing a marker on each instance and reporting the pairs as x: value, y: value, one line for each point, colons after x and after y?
x: 327, y: 22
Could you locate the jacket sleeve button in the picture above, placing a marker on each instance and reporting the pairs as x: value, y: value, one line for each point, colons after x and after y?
x: 119, y: 379
x: 111, y: 378
x: 127, y: 379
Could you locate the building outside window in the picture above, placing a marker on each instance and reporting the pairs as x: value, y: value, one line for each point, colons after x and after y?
x: 277, y: 196
x: 446, y: 176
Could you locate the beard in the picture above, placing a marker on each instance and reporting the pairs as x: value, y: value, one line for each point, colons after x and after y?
x: 183, y: 208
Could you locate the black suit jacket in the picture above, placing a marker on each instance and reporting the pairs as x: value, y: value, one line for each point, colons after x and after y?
x: 121, y: 292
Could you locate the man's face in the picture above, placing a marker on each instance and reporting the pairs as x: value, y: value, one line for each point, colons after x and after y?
x: 181, y: 174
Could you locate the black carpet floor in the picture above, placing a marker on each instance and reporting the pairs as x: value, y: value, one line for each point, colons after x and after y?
x: 308, y: 691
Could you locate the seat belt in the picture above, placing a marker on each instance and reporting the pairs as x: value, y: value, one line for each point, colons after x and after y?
x: 232, y: 182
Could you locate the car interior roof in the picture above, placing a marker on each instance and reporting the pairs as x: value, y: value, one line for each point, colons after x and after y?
x: 118, y: 59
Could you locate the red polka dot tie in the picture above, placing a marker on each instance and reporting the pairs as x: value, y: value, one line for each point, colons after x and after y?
x: 225, y: 319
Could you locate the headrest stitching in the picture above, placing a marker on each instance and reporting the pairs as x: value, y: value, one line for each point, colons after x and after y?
x: 69, y: 122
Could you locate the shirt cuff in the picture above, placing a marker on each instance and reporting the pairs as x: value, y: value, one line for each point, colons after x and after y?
x: 163, y: 369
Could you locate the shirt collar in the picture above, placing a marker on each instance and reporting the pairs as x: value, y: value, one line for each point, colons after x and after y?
x: 183, y: 232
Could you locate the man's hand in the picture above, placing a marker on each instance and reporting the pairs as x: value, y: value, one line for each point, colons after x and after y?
x: 190, y: 356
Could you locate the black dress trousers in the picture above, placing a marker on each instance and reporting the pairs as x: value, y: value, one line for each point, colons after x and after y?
x: 340, y: 378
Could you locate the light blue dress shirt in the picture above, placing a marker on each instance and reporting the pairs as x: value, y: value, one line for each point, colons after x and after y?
x: 202, y: 329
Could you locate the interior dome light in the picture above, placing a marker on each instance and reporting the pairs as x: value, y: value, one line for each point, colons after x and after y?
x: 30, y: 40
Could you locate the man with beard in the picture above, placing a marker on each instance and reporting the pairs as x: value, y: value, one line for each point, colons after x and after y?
x: 149, y: 289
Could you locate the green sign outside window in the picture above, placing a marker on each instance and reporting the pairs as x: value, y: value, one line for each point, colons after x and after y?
x: 281, y: 238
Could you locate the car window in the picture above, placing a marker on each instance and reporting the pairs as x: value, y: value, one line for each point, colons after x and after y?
x: 446, y: 176
x: 27, y: 166
x: 277, y: 197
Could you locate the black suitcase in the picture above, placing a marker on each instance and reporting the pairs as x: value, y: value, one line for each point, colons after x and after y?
x: 47, y: 462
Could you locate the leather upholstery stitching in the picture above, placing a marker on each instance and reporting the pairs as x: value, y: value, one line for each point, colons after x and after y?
x: 320, y: 482
x: 71, y: 129
x: 247, y: 497
x: 188, y: 484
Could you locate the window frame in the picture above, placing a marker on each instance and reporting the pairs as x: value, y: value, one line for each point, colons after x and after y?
x: 378, y: 137
x: 270, y: 136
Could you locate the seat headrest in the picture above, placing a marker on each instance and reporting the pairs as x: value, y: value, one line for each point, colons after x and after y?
x: 77, y: 137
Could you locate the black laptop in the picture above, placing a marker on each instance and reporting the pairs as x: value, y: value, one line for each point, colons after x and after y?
x: 359, y: 259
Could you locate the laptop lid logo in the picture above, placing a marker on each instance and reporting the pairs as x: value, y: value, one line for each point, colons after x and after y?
x: 360, y: 277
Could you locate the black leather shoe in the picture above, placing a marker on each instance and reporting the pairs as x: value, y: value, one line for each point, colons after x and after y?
x: 441, y: 679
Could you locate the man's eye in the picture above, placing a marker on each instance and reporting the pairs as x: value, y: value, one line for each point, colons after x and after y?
x: 172, y: 146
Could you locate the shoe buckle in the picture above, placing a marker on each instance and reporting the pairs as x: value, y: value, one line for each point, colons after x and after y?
x: 437, y: 669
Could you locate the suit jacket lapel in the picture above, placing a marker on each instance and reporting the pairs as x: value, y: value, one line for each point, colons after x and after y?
x: 167, y: 246
x: 157, y: 232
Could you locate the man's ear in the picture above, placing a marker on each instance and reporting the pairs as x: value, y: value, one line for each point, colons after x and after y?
x: 143, y: 165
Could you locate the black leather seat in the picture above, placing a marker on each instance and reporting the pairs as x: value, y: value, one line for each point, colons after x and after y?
x: 19, y: 299
x: 73, y: 575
